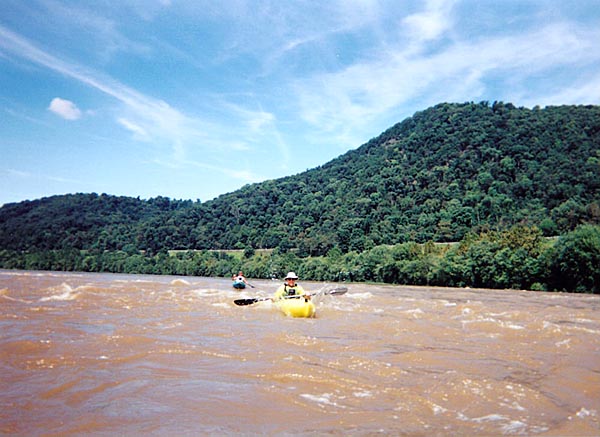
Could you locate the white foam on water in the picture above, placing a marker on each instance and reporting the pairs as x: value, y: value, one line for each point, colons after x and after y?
x: 501, y: 323
x: 512, y: 326
x: 502, y: 314
x: 438, y: 409
x: 514, y: 405
x: 4, y: 296
x: 67, y: 294
x: 363, y: 394
x: 588, y: 330
x: 204, y: 292
x: 511, y: 427
x: 582, y: 320
x: 489, y: 418
x: 515, y: 427
x: 179, y: 282
x: 416, y: 313
x: 322, y: 400
x: 584, y: 412
x: 550, y: 325
x: 359, y: 296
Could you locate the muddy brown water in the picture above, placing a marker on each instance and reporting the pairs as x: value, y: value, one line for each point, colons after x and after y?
x: 102, y: 354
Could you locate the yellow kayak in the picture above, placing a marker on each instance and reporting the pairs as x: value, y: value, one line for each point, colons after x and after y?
x: 297, y: 307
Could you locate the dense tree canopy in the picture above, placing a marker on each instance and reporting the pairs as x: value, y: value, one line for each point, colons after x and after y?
x: 519, y: 258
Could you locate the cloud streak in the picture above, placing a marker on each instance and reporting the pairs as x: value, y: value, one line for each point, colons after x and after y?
x: 41, y: 177
x: 139, y: 131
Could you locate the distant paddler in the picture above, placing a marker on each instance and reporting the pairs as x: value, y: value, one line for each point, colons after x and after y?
x: 239, y: 281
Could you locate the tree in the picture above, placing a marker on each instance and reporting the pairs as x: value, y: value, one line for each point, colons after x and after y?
x: 575, y: 261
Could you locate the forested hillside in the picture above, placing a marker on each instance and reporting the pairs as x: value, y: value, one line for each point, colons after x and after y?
x: 451, y: 169
x: 437, y: 176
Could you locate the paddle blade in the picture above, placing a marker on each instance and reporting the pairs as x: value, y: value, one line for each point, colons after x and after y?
x: 337, y: 291
x: 250, y: 301
x: 242, y: 302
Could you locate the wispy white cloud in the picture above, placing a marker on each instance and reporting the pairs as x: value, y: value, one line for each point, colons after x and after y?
x: 231, y: 170
x: 20, y: 114
x: 20, y: 174
x: 139, y: 131
x: 81, y: 22
x: 258, y: 128
x: 581, y: 92
x: 350, y: 100
x: 148, y: 9
x: 65, y: 109
x: 62, y: 180
x: 431, y: 23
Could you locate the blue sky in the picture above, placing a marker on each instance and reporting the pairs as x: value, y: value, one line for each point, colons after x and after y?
x: 191, y: 99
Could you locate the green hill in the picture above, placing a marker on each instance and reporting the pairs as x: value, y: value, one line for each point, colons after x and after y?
x: 436, y: 176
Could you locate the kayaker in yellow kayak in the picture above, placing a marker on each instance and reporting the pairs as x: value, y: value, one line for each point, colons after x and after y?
x: 290, y: 288
x: 284, y: 298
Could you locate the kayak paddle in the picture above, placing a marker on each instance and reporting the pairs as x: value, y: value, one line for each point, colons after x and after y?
x: 250, y: 301
x: 335, y: 292
x: 332, y: 291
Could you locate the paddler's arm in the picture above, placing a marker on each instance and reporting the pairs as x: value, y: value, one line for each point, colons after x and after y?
x: 302, y: 293
x: 278, y: 293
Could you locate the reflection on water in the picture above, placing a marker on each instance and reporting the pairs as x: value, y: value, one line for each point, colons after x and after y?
x: 103, y: 354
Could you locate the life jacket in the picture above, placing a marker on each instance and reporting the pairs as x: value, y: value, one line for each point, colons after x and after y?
x: 289, y: 291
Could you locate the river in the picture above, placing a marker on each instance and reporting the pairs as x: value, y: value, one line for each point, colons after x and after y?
x: 104, y: 354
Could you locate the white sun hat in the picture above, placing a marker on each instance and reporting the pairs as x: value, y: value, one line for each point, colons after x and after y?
x: 291, y: 275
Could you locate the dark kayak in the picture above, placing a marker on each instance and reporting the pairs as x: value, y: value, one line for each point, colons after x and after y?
x: 239, y: 285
